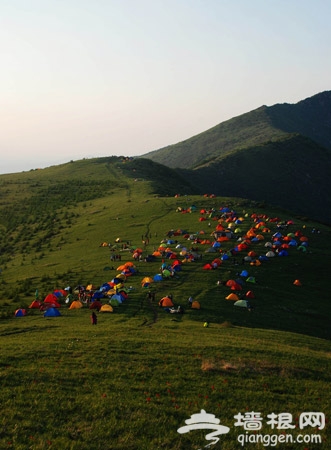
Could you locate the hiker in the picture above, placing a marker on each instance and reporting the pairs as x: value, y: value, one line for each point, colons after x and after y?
x: 190, y: 301
x: 94, y: 319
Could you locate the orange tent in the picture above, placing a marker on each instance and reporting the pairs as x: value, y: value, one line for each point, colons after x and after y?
x: 232, y: 296
x: 166, y: 302
x: 195, y: 305
x: 76, y: 304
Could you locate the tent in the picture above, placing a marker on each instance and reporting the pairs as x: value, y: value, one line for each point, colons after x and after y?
x: 251, y: 280
x: 242, y: 303
x: 35, y: 304
x: 20, y: 312
x: 250, y: 294
x: 166, y: 302
x: 195, y: 305
x: 118, y: 297
x: 106, y: 308
x: 157, y: 277
x: 91, y: 287
x: 76, y: 304
x: 146, y: 281
x: 232, y: 296
x: 51, y: 298
x: 234, y: 285
x: 114, y: 302
x: 60, y: 293
x: 52, y: 312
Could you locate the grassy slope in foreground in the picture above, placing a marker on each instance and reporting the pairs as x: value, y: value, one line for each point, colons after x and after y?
x: 120, y: 384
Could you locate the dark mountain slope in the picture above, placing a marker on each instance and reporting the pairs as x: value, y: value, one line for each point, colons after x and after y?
x: 310, y: 117
x: 292, y: 173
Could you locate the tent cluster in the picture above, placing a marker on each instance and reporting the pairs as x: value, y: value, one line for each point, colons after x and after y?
x: 101, y: 298
x: 225, y: 245
x: 278, y: 245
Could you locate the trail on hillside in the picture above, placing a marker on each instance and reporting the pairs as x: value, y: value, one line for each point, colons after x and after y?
x: 155, y: 219
x: 121, y: 180
x: 147, y: 302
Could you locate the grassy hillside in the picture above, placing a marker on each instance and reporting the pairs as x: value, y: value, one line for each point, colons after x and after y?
x: 310, y: 118
x: 52, y: 231
x: 133, y: 379
x: 247, y: 130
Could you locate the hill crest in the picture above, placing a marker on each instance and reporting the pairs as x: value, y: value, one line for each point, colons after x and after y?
x: 310, y: 117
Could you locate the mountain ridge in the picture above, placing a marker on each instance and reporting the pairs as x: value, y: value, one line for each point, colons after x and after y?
x: 280, y: 154
x: 255, y: 127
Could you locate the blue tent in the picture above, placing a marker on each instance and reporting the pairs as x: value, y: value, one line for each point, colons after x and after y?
x: 52, y: 312
x: 98, y: 294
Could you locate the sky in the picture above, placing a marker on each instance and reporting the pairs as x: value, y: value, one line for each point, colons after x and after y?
x: 82, y: 79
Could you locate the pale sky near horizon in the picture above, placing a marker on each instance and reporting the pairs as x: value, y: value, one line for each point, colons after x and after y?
x: 83, y: 79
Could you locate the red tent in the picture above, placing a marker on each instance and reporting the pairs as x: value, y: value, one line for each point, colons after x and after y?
x: 51, y: 299
x: 35, y: 304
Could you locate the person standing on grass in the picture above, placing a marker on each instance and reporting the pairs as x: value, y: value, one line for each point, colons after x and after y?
x: 94, y: 318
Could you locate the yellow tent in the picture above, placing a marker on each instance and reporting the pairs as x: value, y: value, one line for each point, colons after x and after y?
x: 106, y: 308
x: 91, y: 287
x: 147, y: 280
x: 76, y: 304
x: 121, y: 276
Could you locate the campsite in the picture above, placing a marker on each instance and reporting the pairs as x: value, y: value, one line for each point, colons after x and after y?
x: 256, y: 275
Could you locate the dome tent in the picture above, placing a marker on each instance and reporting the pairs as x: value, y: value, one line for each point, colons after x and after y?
x: 52, y: 312
x: 76, y: 304
x: 195, y: 305
x: 106, y: 308
x: 166, y: 302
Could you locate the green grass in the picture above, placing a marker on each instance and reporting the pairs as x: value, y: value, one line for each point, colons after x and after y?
x: 122, y: 384
x: 131, y: 381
